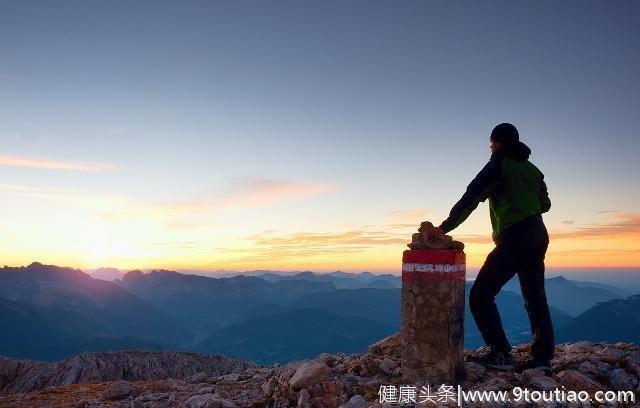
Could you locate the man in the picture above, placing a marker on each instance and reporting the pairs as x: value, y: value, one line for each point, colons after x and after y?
x: 517, y: 197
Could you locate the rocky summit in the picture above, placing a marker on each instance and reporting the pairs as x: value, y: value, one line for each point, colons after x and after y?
x: 172, y: 379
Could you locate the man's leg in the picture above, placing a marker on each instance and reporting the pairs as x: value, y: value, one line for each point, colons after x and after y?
x: 496, y: 271
x: 535, y: 301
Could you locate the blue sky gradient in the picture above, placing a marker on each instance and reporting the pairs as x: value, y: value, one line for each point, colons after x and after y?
x: 379, y: 106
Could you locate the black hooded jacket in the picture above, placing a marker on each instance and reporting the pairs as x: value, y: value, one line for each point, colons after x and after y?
x: 515, y: 188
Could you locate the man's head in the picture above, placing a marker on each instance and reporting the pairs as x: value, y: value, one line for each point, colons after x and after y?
x: 503, y: 135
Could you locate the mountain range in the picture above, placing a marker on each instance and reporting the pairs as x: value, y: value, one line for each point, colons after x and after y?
x: 118, y: 312
x: 571, y: 296
x: 261, y: 316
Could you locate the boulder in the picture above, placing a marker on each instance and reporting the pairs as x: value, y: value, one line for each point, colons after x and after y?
x: 576, y: 381
x: 119, y: 389
x: 329, y: 359
x: 611, y: 355
x: 357, y: 401
x: 269, y: 386
x: 329, y: 393
x: 543, y: 383
x: 619, y: 380
x: 528, y: 375
x: 309, y: 373
x: 197, y: 378
x: 388, y: 365
x: 208, y: 401
x: 304, y: 399
x: 578, y: 347
x: 389, y: 346
x: 494, y: 384
x: 473, y: 371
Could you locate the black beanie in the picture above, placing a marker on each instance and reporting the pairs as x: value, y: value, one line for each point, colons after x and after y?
x: 505, y: 134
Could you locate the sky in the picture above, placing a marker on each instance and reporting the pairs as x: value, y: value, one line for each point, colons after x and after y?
x: 288, y: 135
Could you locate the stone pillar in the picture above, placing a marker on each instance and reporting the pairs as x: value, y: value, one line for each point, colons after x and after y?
x: 432, y: 324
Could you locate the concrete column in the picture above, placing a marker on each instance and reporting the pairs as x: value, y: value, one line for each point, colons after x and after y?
x: 432, y: 325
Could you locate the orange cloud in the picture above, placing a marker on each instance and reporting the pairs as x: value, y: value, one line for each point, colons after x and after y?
x: 283, y: 253
x: 249, y: 193
x: 600, y: 252
x: 245, y: 193
x: 361, y: 237
x: 252, y: 192
x: 624, y: 225
x: 627, y: 225
x: 52, y: 164
x: 268, y: 246
x: 612, y: 242
x: 34, y: 192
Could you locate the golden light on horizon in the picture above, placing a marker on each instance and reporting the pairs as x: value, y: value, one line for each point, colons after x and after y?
x: 126, y: 254
x: 114, y: 231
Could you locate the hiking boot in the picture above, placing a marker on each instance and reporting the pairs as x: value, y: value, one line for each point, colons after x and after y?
x: 542, y: 365
x: 497, y: 360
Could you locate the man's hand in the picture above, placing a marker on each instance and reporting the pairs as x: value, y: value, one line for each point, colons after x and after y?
x: 435, y: 232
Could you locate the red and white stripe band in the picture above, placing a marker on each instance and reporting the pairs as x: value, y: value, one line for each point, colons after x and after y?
x: 438, y: 265
x: 441, y: 268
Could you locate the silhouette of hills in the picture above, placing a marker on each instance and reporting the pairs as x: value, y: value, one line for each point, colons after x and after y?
x: 612, y: 321
x: 171, y: 310
x: 195, y: 298
x: 571, y: 296
x: 297, y: 334
x: 108, y: 274
x: 341, y: 280
x: 46, y: 333
x: 65, y: 289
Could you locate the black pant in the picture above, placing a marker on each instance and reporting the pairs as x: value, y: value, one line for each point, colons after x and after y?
x: 520, y: 249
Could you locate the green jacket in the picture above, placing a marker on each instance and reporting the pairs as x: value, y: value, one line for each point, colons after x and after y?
x: 515, y: 188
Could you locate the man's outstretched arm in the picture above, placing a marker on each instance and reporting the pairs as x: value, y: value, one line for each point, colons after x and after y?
x: 477, y: 191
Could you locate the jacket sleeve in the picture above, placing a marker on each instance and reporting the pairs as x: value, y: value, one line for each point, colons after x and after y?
x: 545, y: 203
x: 478, y: 190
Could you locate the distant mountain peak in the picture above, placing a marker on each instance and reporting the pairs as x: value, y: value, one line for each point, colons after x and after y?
x: 34, y: 265
x: 59, y: 272
x: 305, y: 273
x: 559, y: 279
x: 108, y: 274
x: 134, y: 274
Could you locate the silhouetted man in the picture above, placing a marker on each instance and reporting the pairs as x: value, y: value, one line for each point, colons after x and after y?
x: 517, y: 197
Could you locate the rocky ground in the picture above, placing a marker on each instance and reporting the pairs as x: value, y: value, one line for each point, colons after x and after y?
x: 346, y: 381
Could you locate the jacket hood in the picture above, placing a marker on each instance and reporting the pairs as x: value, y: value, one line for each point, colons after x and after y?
x: 518, y: 151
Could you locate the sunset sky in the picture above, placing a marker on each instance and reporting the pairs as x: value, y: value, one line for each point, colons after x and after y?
x: 287, y: 135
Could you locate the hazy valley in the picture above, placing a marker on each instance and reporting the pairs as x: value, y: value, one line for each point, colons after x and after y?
x: 52, y: 312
